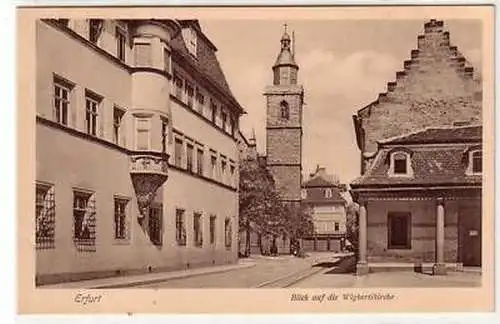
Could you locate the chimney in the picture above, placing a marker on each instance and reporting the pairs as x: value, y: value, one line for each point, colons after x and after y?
x: 321, y: 172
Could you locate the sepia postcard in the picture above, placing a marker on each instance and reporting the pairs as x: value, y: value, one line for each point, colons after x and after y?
x: 255, y: 159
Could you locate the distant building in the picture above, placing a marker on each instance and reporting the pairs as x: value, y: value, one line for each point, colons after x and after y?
x: 136, y: 149
x: 420, y: 189
x: 322, y: 195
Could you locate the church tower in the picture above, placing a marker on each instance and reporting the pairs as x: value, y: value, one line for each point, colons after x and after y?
x: 284, y: 123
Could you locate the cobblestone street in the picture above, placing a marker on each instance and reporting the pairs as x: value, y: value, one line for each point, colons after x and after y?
x: 327, y: 272
x: 266, y: 269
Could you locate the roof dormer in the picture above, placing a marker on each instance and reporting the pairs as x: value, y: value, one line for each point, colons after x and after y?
x: 190, y: 37
x: 400, y: 163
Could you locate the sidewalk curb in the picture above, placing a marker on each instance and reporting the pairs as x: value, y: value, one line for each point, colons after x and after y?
x: 168, y: 277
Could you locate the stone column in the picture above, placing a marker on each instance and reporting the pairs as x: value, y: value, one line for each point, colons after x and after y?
x: 362, y: 265
x: 439, y: 267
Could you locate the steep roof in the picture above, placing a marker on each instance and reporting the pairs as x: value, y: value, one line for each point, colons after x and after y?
x: 439, y: 135
x: 206, y: 61
x: 316, y: 195
x: 318, y: 182
x: 432, y: 165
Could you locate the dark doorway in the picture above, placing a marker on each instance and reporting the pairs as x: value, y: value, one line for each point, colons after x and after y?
x: 470, y: 235
x: 399, y: 230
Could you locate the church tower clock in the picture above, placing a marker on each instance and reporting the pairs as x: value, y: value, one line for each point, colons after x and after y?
x: 284, y: 123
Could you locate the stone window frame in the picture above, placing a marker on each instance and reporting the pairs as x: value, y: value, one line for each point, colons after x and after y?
x: 147, y: 128
x: 336, y: 226
x: 213, y: 229
x: 121, y: 43
x: 93, y: 107
x: 118, y: 124
x: 89, y: 219
x: 198, y: 229
x: 284, y: 110
x: 61, y: 85
x: 328, y: 193
x: 392, y: 159
x: 96, y: 27
x: 408, y: 216
x: 123, y: 238
x: 155, y: 230
x: 180, y: 227
x: 228, y: 233
x: 470, y: 165
x: 45, y: 215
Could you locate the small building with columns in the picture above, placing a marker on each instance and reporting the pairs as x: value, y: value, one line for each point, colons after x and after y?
x: 420, y: 201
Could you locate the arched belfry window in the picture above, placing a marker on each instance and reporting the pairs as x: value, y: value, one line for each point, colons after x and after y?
x: 285, y: 110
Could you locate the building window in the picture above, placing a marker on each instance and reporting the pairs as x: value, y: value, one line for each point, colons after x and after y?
x: 228, y: 233
x: 285, y: 110
x: 120, y: 222
x: 180, y: 227
x: 293, y: 76
x: 399, y: 230
x: 476, y: 162
x: 190, y: 38
x: 91, y: 113
x: 62, y: 92
x: 189, y: 158
x: 189, y: 95
x: 142, y: 141
x: 200, y: 101
x: 178, y: 87
x: 336, y: 226
x: 199, y: 162
x: 95, y: 29
x: 117, y: 123
x: 400, y: 164
x: 212, y: 229
x: 232, y: 169
x: 197, y: 230
x: 142, y: 54
x: 213, y: 164
x: 328, y: 193
x: 156, y: 224
x: 224, y: 121
x: 178, y: 152
x: 45, y: 213
x: 164, y: 134
x: 213, y: 109
x: 223, y: 165
x: 231, y: 126
x: 303, y: 193
x: 63, y: 22
x: 84, y: 220
x: 166, y: 60
x: 120, y: 44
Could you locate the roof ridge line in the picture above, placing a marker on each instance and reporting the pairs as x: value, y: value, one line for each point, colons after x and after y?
x: 421, y: 130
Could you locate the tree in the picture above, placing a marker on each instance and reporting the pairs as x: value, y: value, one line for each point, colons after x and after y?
x: 259, y: 206
x: 352, y: 227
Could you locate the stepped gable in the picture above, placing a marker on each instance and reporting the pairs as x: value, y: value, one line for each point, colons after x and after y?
x: 437, y: 86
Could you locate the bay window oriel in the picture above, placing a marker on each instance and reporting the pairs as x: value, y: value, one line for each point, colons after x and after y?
x: 143, y: 133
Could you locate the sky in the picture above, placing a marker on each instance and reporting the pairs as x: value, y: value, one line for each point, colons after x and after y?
x: 344, y: 65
